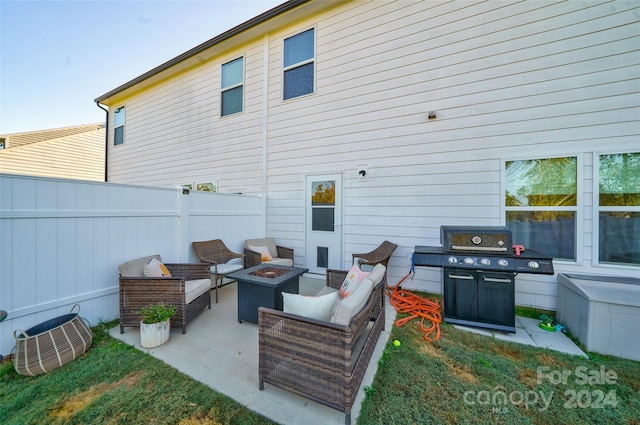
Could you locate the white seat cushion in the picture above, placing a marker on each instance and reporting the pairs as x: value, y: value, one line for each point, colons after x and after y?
x: 227, y: 268
x: 280, y: 261
x: 194, y: 288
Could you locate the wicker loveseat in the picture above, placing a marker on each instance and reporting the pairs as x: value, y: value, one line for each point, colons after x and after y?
x: 188, y: 289
x: 319, y: 360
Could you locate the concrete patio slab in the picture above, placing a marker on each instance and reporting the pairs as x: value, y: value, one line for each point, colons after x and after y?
x: 528, y: 332
x: 223, y: 354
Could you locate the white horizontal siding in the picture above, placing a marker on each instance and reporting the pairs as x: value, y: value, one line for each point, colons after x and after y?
x: 177, y: 125
x: 508, y: 80
x: 79, y: 156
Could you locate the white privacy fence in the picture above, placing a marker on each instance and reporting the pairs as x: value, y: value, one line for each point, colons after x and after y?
x: 61, y: 241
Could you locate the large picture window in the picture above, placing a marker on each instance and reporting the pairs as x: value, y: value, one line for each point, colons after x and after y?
x: 541, y: 203
x: 619, y: 208
x: 118, y: 126
x: 298, y: 65
x: 232, y: 87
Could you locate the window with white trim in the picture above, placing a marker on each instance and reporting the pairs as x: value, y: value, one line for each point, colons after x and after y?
x: 541, y: 205
x: 298, y: 64
x: 118, y: 126
x: 232, y: 87
x: 618, y: 203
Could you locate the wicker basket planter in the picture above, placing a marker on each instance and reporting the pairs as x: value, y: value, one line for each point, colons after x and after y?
x: 51, y: 344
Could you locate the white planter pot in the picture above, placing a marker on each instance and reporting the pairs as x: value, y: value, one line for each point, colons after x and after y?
x: 154, y: 334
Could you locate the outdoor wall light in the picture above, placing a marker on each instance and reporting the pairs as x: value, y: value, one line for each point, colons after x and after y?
x: 363, y: 169
x: 431, y: 115
x: 185, y: 191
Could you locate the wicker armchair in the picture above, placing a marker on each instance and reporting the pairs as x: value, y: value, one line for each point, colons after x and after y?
x: 321, y: 361
x: 280, y: 255
x: 219, y: 257
x: 380, y: 255
x: 188, y: 289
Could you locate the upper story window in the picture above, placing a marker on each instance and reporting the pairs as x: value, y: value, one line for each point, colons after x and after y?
x: 298, y: 66
x: 118, y: 126
x: 541, y: 204
x: 619, y: 208
x: 232, y: 87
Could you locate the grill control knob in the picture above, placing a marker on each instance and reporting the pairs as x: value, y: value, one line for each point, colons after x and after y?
x: 534, y: 265
x: 503, y: 263
x: 485, y: 262
x: 452, y: 260
x: 468, y: 261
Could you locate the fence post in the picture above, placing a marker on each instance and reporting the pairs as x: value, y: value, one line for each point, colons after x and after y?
x: 184, y: 245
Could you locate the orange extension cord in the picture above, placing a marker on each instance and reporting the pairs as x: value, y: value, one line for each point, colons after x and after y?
x: 428, y: 310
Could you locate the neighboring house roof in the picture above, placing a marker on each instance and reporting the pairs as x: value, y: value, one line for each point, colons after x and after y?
x: 76, y: 152
x: 255, y: 27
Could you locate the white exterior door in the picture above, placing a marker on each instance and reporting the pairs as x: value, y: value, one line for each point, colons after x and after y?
x: 323, y: 248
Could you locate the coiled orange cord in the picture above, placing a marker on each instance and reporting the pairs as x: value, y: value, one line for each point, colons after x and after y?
x: 428, y: 309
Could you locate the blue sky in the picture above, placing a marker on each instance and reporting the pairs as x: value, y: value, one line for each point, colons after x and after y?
x: 57, y: 56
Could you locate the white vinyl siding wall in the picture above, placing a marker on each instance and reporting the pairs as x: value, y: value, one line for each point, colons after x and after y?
x: 79, y: 156
x: 507, y: 81
x: 177, y: 126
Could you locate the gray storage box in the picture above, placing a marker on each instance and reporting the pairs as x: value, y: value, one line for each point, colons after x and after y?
x: 602, y: 312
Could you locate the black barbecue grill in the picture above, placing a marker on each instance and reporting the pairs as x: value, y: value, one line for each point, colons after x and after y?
x: 480, y: 265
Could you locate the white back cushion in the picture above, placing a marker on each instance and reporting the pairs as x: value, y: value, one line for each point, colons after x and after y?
x: 349, y: 306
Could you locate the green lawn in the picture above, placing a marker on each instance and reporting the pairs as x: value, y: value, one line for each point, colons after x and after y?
x: 464, y: 378
x: 115, y: 383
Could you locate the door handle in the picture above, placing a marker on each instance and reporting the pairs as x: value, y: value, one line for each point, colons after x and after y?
x: 497, y: 280
x: 457, y: 276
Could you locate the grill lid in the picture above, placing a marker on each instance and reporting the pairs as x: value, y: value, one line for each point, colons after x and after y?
x: 485, y: 239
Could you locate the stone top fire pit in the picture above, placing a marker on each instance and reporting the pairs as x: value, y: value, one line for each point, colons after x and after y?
x: 269, y: 272
x: 262, y: 286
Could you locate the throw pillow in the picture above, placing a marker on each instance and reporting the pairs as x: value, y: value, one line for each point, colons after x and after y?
x: 319, y: 308
x: 351, y: 282
x: 264, y: 252
x: 156, y: 268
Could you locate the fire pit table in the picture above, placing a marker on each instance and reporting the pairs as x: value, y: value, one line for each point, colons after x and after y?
x: 262, y: 286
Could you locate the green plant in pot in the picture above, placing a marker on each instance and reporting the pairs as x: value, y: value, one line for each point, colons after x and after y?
x: 155, y: 324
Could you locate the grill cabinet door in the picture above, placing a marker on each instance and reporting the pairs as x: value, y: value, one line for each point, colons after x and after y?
x: 496, y: 298
x: 460, y: 294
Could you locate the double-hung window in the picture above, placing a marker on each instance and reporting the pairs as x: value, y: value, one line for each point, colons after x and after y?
x: 118, y: 126
x: 541, y: 205
x: 619, y: 208
x: 232, y: 87
x: 298, y: 66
